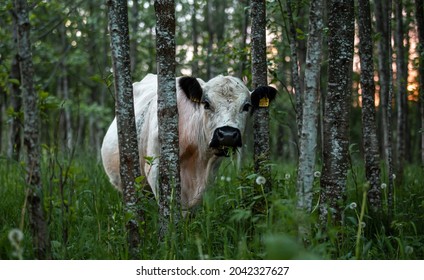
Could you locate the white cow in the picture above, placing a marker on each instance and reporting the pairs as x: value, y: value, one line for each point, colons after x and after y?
x: 212, y: 120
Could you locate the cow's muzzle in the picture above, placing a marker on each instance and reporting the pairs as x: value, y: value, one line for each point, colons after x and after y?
x: 224, y: 139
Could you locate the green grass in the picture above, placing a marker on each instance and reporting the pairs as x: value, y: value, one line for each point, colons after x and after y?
x: 235, y: 220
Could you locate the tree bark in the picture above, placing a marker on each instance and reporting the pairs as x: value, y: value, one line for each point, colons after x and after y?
x: 124, y: 110
x: 261, y: 144
x: 15, y: 131
x: 337, y: 107
x: 211, y: 37
x: 389, y: 147
x: 369, y: 125
x: 244, y: 30
x: 383, y: 11
x: 2, y: 110
x: 68, y: 138
x: 135, y: 11
x: 419, y: 16
x: 292, y: 36
x: 31, y: 136
x: 195, y: 39
x: 308, y: 135
x: 383, y: 46
x: 402, y: 94
x: 169, y: 167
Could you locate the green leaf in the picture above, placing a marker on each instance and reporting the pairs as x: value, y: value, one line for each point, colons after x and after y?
x: 14, y: 81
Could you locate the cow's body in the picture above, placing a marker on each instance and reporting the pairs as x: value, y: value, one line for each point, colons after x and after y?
x: 212, y: 118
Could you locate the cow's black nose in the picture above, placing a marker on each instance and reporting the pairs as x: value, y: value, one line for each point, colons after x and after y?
x: 226, y: 136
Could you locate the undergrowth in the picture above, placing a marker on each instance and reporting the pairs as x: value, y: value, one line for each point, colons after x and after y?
x: 236, y: 219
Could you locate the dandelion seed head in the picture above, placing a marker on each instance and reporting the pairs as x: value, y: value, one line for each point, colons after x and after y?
x: 317, y: 174
x: 383, y: 186
x: 228, y: 179
x: 394, y: 176
x: 353, y: 205
x: 15, y: 235
x: 260, y: 180
x: 363, y: 224
x: 222, y: 178
x: 409, y: 250
x: 287, y: 176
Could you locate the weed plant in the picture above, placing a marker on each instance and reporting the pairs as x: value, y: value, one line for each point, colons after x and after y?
x: 236, y: 219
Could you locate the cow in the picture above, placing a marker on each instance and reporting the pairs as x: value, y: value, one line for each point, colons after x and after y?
x: 212, y: 119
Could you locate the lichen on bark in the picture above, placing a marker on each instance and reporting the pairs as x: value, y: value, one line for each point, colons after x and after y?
x: 169, y: 168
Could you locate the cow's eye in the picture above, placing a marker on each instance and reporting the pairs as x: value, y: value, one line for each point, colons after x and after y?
x: 206, y: 104
x: 246, y: 107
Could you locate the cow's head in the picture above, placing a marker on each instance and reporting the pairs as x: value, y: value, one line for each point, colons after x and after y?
x: 224, y: 103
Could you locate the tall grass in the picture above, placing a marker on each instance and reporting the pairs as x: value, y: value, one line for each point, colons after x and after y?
x: 236, y: 219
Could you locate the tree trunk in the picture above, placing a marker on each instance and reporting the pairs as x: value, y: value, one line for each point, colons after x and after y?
x: 383, y: 46
x: 135, y: 11
x: 292, y: 36
x: 419, y: 14
x: 124, y: 110
x: 31, y: 136
x: 195, y: 62
x: 14, y: 142
x: 169, y: 167
x: 389, y: 147
x: 211, y: 36
x: 245, y: 25
x: 402, y: 94
x: 14, y: 137
x: 2, y: 110
x: 369, y: 126
x: 383, y: 10
x: 68, y: 139
x: 308, y: 125
x: 337, y: 107
x: 261, y: 144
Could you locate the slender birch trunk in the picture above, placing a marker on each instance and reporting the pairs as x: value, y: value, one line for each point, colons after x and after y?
x: 124, y: 111
x: 15, y: 127
x: 68, y: 137
x: 383, y: 45
x: 401, y: 92
x: 383, y: 11
x: 389, y: 109
x: 211, y: 33
x: 337, y: 107
x: 135, y: 12
x: 261, y: 144
x: 3, y: 101
x: 419, y: 17
x: 243, y: 43
x: 369, y: 125
x: 169, y: 167
x: 195, y: 39
x: 292, y: 37
x: 31, y: 136
x: 308, y: 135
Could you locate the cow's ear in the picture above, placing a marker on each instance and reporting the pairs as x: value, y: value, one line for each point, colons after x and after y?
x: 191, y: 88
x: 262, y: 96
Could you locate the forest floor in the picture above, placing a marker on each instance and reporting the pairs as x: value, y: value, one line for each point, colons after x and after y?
x: 236, y: 219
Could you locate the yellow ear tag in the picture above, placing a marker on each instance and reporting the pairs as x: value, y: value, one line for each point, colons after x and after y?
x: 264, y: 102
